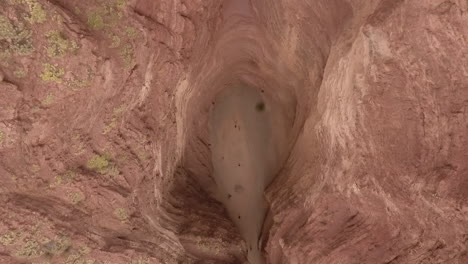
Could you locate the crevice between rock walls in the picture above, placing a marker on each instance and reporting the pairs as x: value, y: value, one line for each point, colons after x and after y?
x: 249, y: 47
x: 105, y: 152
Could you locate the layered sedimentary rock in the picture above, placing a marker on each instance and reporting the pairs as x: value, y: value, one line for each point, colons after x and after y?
x: 105, y: 148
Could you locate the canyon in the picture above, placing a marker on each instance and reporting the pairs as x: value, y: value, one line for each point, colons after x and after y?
x: 234, y: 131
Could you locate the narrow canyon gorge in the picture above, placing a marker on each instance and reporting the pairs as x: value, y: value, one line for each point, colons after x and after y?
x: 234, y: 131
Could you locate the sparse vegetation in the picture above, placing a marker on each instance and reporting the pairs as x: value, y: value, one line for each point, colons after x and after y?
x: 2, y: 136
x: 8, y: 238
x: 113, y: 122
x: 57, y: 18
x: 113, y: 14
x: 74, y: 83
x: 35, y: 168
x: 65, y: 178
x: 120, y: 4
x: 76, y: 197
x: 52, y: 73
x: 30, y: 249
x: 84, y: 250
x: 142, y: 153
x: 81, y: 78
x: 118, y: 110
x: 36, y: 13
x: 115, y: 41
x: 99, y: 163
x: 140, y: 261
x: 69, y: 176
x: 95, y: 21
x: 78, y: 257
x: 59, y: 45
x: 127, y: 55
x: 48, y: 100
x: 113, y: 172
x: 121, y: 214
x: 7, y: 31
x: 109, y: 126
x: 106, y: 16
x: 20, y: 73
x: 131, y: 32
x: 16, y: 38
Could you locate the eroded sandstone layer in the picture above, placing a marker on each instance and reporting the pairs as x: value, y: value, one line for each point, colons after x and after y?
x: 105, y: 149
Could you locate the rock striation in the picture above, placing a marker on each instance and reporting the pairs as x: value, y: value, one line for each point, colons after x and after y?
x: 108, y: 120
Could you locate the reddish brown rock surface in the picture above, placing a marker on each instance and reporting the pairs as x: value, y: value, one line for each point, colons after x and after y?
x: 104, y: 135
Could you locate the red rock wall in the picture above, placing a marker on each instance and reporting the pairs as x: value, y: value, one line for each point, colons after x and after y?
x: 104, y: 151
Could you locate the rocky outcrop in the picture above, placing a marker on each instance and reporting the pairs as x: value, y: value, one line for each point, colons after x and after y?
x: 105, y: 149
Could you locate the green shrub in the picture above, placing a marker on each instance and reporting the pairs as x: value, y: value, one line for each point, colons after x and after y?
x: 76, y: 197
x: 99, y: 163
x: 95, y: 21
x: 115, y: 41
x: 52, y: 73
x: 7, y: 31
x: 8, y: 238
x: 127, y: 53
x: 31, y: 249
x: 17, y: 37
x: 121, y: 214
x: 48, y: 100
x: 131, y: 32
x: 36, y: 12
x: 2, y: 136
x: 58, y: 44
x: 120, y: 4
